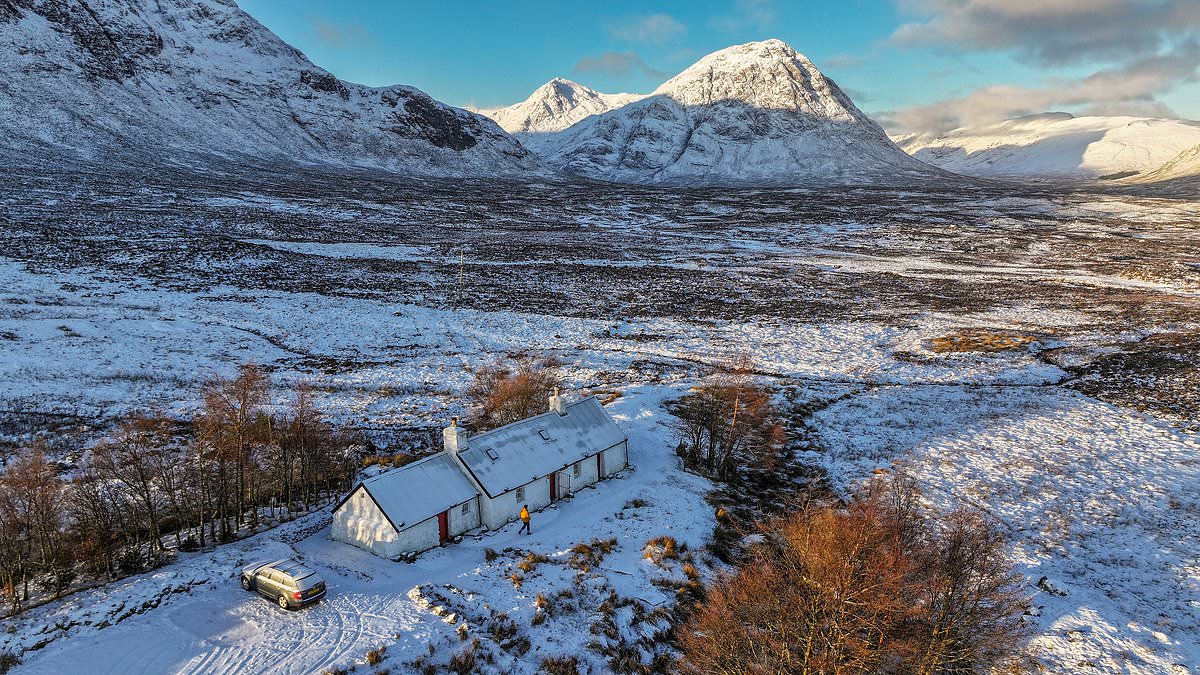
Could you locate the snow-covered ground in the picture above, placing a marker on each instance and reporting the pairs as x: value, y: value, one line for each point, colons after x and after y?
x: 1060, y: 146
x: 1097, y: 497
x: 203, y: 622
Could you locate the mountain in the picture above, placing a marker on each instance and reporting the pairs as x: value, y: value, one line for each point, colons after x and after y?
x: 1057, y: 146
x: 758, y: 113
x: 190, y: 81
x: 554, y: 106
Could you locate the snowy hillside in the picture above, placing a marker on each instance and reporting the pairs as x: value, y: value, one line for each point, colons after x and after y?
x: 556, y: 105
x: 169, y: 80
x: 754, y: 113
x: 1057, y: 146
x: 1184, y: 165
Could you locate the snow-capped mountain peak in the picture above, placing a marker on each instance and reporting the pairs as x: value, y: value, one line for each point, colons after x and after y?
x: 556, y: 105
x: 754, y: 113
x: 769, y: 75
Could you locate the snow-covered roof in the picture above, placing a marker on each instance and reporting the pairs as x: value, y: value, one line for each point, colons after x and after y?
x: 420, y: 490
x: 515, y: 454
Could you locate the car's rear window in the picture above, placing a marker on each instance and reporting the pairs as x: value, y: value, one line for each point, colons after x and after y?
x: 309, y: 581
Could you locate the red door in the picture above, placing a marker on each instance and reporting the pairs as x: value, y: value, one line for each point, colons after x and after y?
x: 444, y: 526
x: 554, y: 486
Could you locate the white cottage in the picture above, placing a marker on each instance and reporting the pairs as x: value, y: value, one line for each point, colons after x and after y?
x: 539, y: 459
x: 483, y: 480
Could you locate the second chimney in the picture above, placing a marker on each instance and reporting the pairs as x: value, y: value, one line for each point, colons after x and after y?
x: 454, y: 437
x: 556, y: 403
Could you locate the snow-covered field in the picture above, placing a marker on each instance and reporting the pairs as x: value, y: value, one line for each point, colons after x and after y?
x: 839, y: 299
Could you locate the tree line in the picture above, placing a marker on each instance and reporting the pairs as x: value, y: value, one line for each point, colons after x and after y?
x: 155, y: 481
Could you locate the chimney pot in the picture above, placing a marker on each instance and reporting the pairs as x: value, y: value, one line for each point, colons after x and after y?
x: 556, y: 403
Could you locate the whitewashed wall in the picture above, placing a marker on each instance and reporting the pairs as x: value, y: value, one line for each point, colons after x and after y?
x: 461, y: 522
x: 360, y: 522
x: 505, y: 508
x: 616, y: 458
x: 587, y: 474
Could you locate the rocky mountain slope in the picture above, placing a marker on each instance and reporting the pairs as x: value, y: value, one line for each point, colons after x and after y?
x: 187, y: 81
x: 758, y: 113
x: 554, y: 106
x: 1057, y: 146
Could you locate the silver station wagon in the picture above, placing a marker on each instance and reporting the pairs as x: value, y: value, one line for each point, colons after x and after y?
x: 288, y: 583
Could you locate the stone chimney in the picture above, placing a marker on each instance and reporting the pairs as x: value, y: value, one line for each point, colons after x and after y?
x: 454, y: 437
x: 556, y: 403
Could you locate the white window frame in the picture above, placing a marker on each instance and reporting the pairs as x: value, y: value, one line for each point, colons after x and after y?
x: 466, y: 508
x: 521, y: 494
x: 577, y: 470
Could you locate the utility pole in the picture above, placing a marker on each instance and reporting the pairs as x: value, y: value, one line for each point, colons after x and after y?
x: 461, y: 266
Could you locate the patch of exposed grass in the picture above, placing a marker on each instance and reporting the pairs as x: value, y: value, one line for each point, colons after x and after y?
x: 662, y: 548
x: 980, y: 341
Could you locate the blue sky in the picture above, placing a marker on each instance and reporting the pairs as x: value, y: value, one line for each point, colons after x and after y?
x: 917, y: 61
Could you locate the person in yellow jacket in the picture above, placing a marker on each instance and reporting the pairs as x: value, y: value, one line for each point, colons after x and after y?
x: 525, y: 520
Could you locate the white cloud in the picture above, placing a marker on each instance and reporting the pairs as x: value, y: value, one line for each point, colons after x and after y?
x: 752, y: 14
x: 1140, y: 49
x: 618, y: 63
x: 1124, y: 88
x: 653, y: 28
x: 1056, y: 32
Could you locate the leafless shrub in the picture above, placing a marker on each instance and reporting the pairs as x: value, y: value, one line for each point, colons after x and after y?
x: 502, y: 393
x: 728, y: 421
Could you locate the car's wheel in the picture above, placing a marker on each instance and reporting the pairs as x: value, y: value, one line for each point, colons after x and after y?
x: 283, y: 603
x: 246, y: 583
